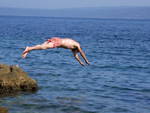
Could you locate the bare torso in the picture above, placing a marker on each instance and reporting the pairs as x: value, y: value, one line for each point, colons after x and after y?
x: 69, y: 43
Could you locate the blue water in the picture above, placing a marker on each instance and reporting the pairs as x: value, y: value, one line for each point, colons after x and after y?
x: 117, y: 81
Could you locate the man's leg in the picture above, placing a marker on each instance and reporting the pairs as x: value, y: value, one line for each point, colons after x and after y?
x: 37, y: 47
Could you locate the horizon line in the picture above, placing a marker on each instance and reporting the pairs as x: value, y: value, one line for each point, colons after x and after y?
x: 76, y: 7
x: 98, y: 18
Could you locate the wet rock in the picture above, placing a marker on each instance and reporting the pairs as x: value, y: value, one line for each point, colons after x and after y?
x: 14, y: 79
x: 3, y: 110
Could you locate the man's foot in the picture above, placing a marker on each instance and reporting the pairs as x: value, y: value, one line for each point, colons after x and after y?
x: 26, y: 51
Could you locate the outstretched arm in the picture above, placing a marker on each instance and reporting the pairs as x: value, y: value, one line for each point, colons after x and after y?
x: 77, y: 57
x: 83, y: 55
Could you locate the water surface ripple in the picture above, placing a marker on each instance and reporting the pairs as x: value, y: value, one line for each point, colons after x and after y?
x: 117, y: 81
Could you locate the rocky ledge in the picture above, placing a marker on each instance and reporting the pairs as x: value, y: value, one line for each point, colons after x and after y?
x: 14, y: 79
x: 3, y: 110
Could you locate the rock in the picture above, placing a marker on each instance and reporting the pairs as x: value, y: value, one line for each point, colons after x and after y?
x: 14, y: 79
x: 3, y: 110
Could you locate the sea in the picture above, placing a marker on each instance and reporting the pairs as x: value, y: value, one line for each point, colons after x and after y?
x: 116, y: 81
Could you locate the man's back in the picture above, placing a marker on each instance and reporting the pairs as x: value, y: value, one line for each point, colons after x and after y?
x: 69, y: 43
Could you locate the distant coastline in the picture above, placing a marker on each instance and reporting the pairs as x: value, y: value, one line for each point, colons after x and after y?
x: 92, y: 12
